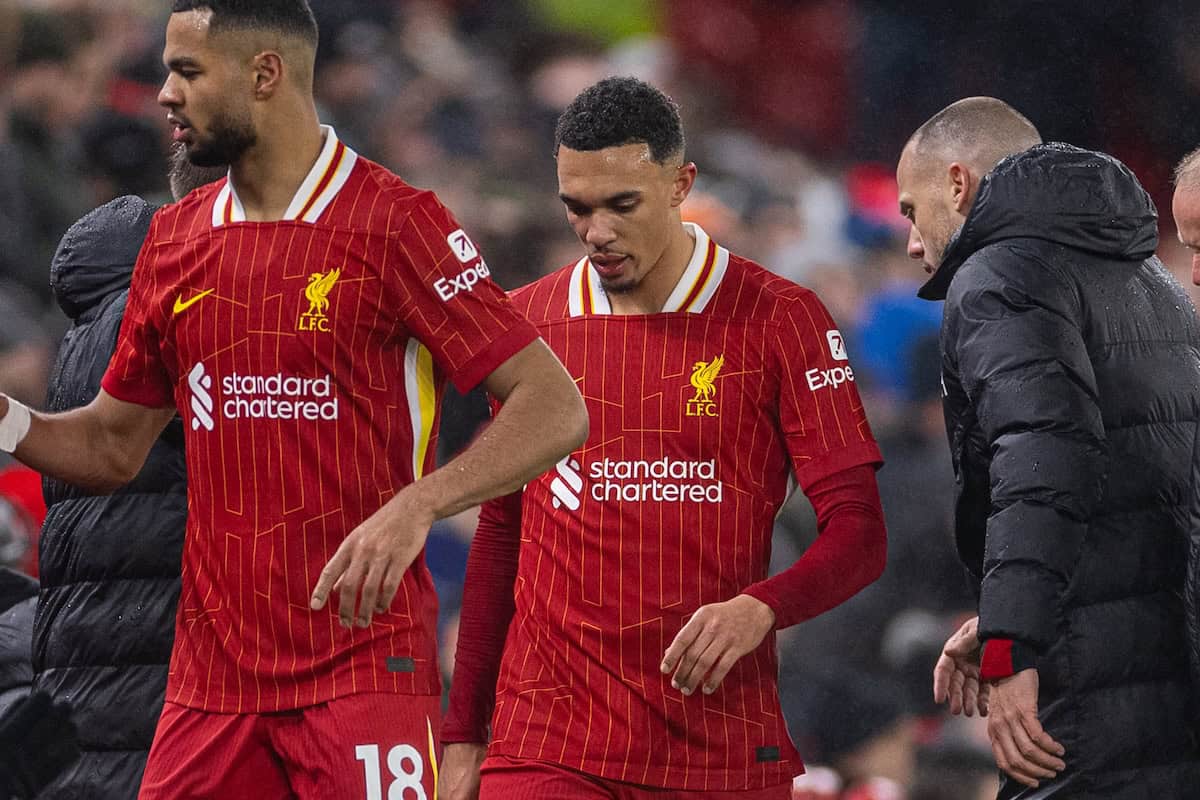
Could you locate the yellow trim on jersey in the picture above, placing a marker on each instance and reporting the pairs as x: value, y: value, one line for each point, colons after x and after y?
x: 421, y: 390
x: 433, y: 762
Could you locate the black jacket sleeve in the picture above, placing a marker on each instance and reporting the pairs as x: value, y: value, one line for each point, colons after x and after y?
x: 1014, y: 322
x: 1191, y: 596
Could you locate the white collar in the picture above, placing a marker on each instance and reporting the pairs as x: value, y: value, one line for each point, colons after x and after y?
x: 318, y: 190
x: 691, y: 294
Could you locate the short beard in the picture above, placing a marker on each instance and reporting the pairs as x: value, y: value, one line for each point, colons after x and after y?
x: 228, y: 142
x: 184, y: 176
x: 625, y: 287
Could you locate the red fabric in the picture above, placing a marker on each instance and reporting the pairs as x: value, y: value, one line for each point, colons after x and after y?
x: 1003, y: 658
x: 307, y: 405
x: 367, y: 745
x: 487, y: 611
x: 23, y: 488
x: 509, y: 778
x: 697, y: 420
x: 848, y: 555
x: 997, y: 660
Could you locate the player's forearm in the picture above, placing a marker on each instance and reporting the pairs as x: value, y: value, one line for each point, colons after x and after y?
x: 542, y: 420
x: 487, y: 611
x: 77, y: 448
x: 849, y: 554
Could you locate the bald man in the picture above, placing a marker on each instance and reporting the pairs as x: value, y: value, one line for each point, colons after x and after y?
x: 1071, y: 372
x: 1185, y: 207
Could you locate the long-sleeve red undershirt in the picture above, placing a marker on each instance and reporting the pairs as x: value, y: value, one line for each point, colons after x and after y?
x: 849, y: 553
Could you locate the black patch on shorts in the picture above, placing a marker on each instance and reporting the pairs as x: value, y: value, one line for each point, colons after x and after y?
x: 402, y: 665
x: 763, y: 754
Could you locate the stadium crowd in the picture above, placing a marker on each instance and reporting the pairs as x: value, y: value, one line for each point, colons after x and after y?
x: 795, y: 112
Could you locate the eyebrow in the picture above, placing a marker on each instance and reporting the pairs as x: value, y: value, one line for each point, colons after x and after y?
x: 181, y: 62
x: 608, y: 201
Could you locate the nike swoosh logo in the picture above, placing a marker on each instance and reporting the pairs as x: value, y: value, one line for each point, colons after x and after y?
x: 182, y: 305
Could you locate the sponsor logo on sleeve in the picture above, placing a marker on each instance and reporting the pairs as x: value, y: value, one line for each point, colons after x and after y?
x: 465, y: 281
x: 837, y: 345
x: 464, y: 249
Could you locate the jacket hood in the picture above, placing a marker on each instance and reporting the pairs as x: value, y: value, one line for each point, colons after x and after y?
x: 1077, y: 198
x: 96, y: 255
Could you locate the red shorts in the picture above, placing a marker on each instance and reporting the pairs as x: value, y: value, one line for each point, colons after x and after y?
x: 505, y: 778
x: 365, y: 746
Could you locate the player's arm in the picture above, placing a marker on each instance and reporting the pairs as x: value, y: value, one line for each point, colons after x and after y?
x: 487, y: 611
x: 100, y: 446
x: 848, y: 555
x: 542, y: 419
x: 474, y: 334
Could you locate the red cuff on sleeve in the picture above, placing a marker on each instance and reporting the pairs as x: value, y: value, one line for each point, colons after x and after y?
x: 1003, y: 658
x: 502, y: 348
x: 849, y: 554
x: 144, y: 395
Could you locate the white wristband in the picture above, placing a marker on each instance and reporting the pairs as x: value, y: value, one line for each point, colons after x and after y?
x: 14, y: 426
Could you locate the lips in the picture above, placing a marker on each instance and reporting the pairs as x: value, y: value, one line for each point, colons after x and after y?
x: 609, y: 266
x: 181, y: 128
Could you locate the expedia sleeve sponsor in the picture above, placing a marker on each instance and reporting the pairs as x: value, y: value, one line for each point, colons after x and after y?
x: 448, y: 288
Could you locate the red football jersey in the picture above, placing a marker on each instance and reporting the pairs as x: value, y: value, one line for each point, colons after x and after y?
x: 699, y: 416
x: 307, y: 358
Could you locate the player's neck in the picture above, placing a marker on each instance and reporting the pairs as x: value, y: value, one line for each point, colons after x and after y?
x: 651, y: 294
x: 268, y: 176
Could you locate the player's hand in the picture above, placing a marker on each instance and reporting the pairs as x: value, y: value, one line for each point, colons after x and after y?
x: 956, y: 675
x: 714, y: 639
x: 372, y: 561
x: 1022, y: 748
x: 459, y: 776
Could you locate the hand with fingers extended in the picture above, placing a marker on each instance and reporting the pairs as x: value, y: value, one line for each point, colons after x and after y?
x: 1022, y: 748
x: 956, y: 675
x: 713, y: 640
x: 367, y: 568
x: 458, y: 778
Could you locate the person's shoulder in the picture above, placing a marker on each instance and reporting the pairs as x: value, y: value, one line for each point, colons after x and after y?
x: 1025, y: 266
x: 751, y: 289
x: 396, y: 199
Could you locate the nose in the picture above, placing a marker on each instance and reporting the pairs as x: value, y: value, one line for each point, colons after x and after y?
x: 600, y: 233
x: 916, y: 248
x: 168, y: 95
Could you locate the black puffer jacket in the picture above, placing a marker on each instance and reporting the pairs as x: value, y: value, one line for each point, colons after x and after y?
x: 1071, y: 366
x: 109, y: 565
x: 18, y: 599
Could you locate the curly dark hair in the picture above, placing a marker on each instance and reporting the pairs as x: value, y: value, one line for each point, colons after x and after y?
x: 620, y: 111
x: 293, y: 17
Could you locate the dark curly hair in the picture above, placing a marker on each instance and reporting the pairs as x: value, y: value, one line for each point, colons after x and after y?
x: 620, y: 111
x: 292, y: 17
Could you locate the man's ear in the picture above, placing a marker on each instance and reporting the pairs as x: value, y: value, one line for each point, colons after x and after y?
x: 962, y: 186
x: 268, y: 74
x: 685, y: 179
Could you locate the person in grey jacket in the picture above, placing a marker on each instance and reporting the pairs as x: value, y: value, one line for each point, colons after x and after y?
x: 1071, y: 381
x: 109, y: 565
